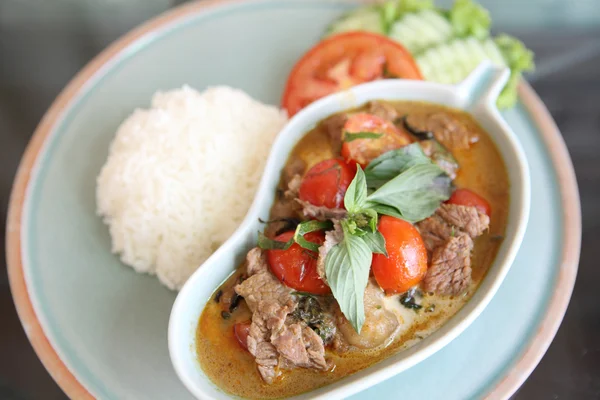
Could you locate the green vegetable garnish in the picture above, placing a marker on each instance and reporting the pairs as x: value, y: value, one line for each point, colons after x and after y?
x: 310, y: 226
x: 388, y: 165
x: 414, y: 194
x: 447, y: 44
x: 266, y: 243
x: 519, y: 59
x: 394, y: 9
x: 356, y: 194
x: 302, y: 229
x: 349, y: 137
x: 410, y: 187
x: 470, y: 19
x: 347, y: 268
x: 376, y: 242
x: 409, y: 300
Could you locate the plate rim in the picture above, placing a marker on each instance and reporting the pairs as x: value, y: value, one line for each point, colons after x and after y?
x: 537, y: 111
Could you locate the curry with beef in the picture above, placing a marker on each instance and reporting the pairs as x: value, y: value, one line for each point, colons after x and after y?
x: 385, y: 221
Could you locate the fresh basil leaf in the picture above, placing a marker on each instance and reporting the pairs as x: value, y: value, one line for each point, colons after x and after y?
x: 269, y: 244
x: 349, y: 136
x: 416, y: 193
x: 310, y: 226
x: 360, y: 232
x: 385, y: 210
x: 372, y: 215
x: 356, y: 194
x: 376, y: 242
x: 392, y: 163
x: 360, y: 220
x: 347, y: 268
x: 302, y: 229
x: 350, y: 226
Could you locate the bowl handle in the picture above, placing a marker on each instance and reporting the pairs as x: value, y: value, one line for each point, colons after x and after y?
x: 483, y: 85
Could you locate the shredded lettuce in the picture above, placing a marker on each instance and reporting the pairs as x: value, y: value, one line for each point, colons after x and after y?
x: 519, y: 59
x: 366, y: 19
x: 516, y: 55
x: 392, y: 10
x: 470, y: 19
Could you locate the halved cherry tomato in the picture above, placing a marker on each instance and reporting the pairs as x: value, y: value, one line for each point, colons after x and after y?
x: 406, y: 263
x: 296, y: 267
x: 363, y: 151
x: 325, y: 183
x: 342, y: 61
x: 241, y: 331
x: 465, y: 197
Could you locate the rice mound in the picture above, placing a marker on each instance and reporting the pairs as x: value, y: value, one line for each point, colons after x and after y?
x: 181, y: 176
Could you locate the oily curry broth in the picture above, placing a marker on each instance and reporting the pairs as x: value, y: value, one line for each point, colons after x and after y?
x: 233, y: 369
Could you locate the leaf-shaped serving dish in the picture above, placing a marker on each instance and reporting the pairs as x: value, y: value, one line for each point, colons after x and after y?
x: 476, y: 95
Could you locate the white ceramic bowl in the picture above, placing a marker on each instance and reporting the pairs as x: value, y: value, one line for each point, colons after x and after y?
x: 477, y: 95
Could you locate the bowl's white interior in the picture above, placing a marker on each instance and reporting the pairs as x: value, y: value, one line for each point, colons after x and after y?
x: 477, y: 95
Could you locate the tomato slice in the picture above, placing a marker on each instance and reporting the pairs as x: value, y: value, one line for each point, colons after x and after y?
x: 465, y: 197
x: 343, y: 61
x: 241, y: 331
x: 363, y: 151
x: 325, y: 183
x: 406, y: 263
x: 296, y: 267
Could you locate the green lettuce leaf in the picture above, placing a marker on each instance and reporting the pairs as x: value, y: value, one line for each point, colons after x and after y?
x: 519, y: 59
x: 393, y: 10
x: 470, y: 19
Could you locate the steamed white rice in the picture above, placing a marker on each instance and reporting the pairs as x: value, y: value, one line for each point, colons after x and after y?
x: 181, y: 176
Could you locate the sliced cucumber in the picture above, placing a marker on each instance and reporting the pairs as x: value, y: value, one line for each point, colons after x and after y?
x: 420, y: 30
x: 367, y: 19
x: 453, y: 61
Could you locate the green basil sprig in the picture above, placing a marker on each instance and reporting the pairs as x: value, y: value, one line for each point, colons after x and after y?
x: 408, y: 186
x: 302, y: 229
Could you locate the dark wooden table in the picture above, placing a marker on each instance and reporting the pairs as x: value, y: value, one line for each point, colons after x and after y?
x: 37, y: 60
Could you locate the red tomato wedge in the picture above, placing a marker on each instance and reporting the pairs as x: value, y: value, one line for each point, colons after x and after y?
x: 406, y: 263
x: 465, y: 197
x: 363, y: 151
x: 325, y: 184
x: 241, y: 332
x: 343, y: 61
x: 296, y: 267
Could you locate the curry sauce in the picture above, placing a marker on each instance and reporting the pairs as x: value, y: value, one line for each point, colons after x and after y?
x: 233, y: 369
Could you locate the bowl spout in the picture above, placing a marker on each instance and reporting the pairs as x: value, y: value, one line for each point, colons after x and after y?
x: 483, y: 85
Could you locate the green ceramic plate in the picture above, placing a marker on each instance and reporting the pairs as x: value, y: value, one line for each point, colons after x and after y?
x: 101, y: 330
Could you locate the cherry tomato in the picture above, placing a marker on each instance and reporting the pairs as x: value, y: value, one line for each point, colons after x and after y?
x: 325, y: 183
x: 465, y: 197
x: 241, y: 331
x: 406, y: 263
x: 363, y: 151
x: 343, y: 61
x: 296, y: 267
